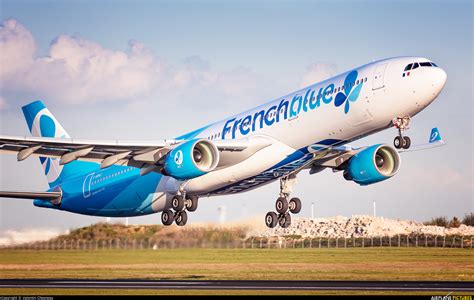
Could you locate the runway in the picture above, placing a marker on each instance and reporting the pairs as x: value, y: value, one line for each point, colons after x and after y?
x: 239, y: 285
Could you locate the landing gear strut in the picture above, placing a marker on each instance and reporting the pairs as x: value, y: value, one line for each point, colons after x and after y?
x: 401, y: 141
x: 179, y: 203
x: 284, y: 206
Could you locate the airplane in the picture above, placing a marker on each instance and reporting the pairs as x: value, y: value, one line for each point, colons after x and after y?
x: 309, y: 129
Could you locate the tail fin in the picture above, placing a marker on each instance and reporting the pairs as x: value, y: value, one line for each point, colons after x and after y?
x: 435, y: 136
x: 42, y: 123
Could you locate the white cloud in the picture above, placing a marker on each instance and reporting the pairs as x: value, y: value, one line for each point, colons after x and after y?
x: 317, y: 72
x: 77, y: 70
x: 194, y: 71
x: 16, y: 237
x: 17, y: 48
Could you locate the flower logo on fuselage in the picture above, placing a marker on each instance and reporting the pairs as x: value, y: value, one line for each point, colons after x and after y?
x: 350, y: 91
x: 178, y: 157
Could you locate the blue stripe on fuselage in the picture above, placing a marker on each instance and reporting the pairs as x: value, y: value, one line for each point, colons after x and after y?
x: 114, y: 192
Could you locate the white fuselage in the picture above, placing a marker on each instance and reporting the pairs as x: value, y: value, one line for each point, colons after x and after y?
x: 311, y: 116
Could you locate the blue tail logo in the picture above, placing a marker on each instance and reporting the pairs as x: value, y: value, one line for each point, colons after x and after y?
x: 42, y: 123
x: 349, y: 94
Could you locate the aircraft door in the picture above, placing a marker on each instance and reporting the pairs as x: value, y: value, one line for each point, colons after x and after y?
x: 379, y: 75
x: 86, y: 187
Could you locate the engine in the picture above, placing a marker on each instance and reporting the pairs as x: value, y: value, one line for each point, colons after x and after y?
x: 191, y: 159
x: 374, y: 164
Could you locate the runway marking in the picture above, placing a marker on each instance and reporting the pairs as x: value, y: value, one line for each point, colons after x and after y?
x: 134, y: 282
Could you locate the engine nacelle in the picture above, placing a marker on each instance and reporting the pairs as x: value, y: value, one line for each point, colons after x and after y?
x: 191, y: 159
x: 374, y: 164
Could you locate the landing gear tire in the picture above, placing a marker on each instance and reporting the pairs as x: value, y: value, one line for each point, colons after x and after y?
x: 398, y: 142
x: 284, y: 220
x: 177, y: 203
x: 346, y: 175
x: 192, y: 203
x: 271, y: 219
x: 281, y: 205
x: 402, y: 124
x: 294, y: 205
x: 407, y: 142
x: 167, y: 217
x: 181, y: 218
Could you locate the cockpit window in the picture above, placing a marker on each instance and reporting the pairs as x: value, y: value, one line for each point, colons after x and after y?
x: 433, y: 64
x: 425, y: 64
x: 415, y: 65
x: 408, y: 68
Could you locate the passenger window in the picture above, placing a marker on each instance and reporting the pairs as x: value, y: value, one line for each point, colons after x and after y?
x: 408, y: 68
x: 415, y: 65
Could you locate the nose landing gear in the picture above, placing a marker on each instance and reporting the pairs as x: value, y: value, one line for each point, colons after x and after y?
x: 401, y: 141
x: 283, y: 206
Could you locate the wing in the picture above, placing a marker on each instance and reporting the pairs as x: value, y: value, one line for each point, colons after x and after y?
x: 434, y: 141
x: 146, y: 155
x: 334, y: 157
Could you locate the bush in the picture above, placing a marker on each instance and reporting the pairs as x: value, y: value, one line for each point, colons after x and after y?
x: 468, y: 219
x: 454, y: 223
x: 438, y: 221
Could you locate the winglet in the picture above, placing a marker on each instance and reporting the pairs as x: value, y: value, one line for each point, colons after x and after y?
x: 435, y: 136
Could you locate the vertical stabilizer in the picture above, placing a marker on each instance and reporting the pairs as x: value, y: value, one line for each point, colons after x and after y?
x: 42, y: 123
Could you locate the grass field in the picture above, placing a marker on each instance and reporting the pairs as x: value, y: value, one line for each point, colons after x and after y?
x: 270, y: 264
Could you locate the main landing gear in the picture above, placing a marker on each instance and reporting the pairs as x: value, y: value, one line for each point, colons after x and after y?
x: 284, y: 206
x: 180, y: 204
x: 400, y: 141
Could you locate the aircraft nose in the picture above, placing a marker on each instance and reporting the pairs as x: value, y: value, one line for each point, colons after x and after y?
x: 440, y: 78
x: 436, y: 80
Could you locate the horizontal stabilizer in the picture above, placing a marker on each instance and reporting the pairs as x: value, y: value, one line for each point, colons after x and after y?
x: 48, y: 196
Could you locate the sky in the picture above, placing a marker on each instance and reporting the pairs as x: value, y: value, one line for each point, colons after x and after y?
x: 157, y: 69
